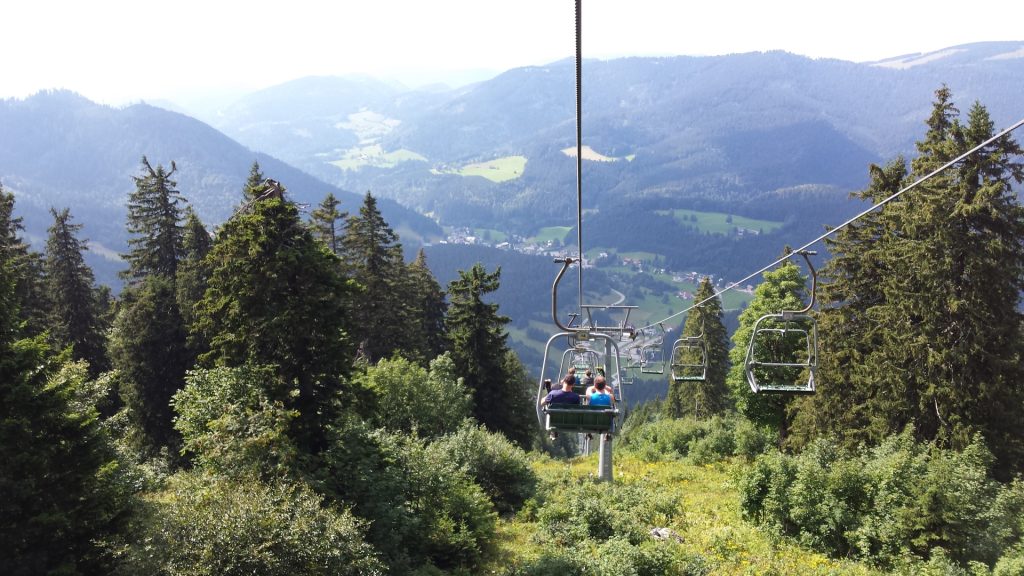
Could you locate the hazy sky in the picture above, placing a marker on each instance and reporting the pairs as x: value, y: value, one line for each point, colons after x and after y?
x: 115, y: 51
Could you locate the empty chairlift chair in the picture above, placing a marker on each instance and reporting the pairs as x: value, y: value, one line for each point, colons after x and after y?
x: 690, y: 358
x: 782, y: 356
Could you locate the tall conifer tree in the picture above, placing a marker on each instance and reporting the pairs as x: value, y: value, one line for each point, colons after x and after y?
x: 254, y: 183
x: 154, y: 220
x: 479, y: 349
x: 939, y: 341
x: 373, y: 257
x: 326, y: 221
x: 58, y: 474
x: 426, y: 305
x: 27, y: 269
x: 147, y: 344
x: 703, y: 398
x: 193, y: 272
x: 276, y: 297
x: 75, y: 314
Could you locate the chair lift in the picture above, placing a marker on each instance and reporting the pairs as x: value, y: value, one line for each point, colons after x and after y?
x: 652, y: 351
x: 580, y: 417
x: 783, y: 347
x: 690, y: 358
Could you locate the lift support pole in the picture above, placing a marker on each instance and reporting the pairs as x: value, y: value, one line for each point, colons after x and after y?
x: 604, y: 459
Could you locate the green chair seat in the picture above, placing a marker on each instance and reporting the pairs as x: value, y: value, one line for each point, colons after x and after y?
x: 580, y: 418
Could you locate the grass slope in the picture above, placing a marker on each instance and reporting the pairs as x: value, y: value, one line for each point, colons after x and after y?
x: 718, y: 222
x: 709, y: 521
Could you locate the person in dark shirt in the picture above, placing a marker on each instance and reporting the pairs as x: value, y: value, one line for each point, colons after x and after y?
x: 563, y: 396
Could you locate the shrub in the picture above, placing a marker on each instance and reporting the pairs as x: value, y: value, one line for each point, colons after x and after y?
x: 500, y: 467
x: 231, y: 426
x: 718, y: 443
x: 765, y: 490
x: 207, y: 525
x: 552, y: 563
x: 752, y: 439
x: 899, y: 500
x: 422, y: 507
x: 573, y: 510
x: 665, y: 439
x: 828, y: 498
x: 411, y: 399
x: 619, y: 556
x: 1011, y: 564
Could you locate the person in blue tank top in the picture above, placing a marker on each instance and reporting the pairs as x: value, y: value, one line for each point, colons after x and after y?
x: 600, y: 394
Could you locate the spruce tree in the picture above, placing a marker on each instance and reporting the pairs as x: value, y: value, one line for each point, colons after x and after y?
x: 147, y: 347
x: 75, y: 311
x: 373, y: 257
x: 62, y: 498
x: 324, y: 221
x: 148, y: 344
x: 703, y: 398
x: 276, y: 297
x: 154, y: 218
x: 27, y: 269
x: 782, y: 289
x: 254, y: 183
x: 193, y: 273
x: 426, y: 306
x: 939, y: 339
x: 479, y: 349
x: 851, y: 294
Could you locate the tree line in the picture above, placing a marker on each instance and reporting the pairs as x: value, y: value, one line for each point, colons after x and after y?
x: 279, y: 373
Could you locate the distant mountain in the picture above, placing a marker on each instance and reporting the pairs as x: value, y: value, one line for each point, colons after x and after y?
x: 725, y: 128
x: 60, y: 149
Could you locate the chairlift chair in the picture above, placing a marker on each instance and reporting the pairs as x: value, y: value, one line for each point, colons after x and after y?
x: 783, y: 348
x: 689, y: 359
x: 652, y: 359
x: 580, y: 418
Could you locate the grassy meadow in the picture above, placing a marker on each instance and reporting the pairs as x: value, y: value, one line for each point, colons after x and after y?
x: 715, y: 540
x: 717, y: 222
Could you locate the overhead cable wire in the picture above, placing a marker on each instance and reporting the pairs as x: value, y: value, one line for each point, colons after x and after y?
x: 832, y: 231
x: 579, y: 144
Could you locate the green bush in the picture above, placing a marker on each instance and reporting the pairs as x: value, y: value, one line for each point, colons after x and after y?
x: 208, y: 525
x: 230, y: 425
x: 618, y: 556
x: 701, y: 441
x: 665, y: 439
x: 422, y: 507
x: 572, y: 510
x: 497, y: 465
x: 828, y: 498
x: 1011, y: 564
x: 412, y: 399
x: 900, y: 500
x: 752, y: 439
x: 552, y: 563
x: 765, y: 490
x: 717, y: 444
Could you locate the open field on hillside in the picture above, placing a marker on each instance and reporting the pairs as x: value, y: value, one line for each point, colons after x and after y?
x: 550, y: 233
x: 374, y: 155
x: 719, y: 223
x: 497, y: 170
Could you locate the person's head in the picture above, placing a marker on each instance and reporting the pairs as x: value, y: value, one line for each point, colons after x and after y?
x: 567, y: 383
x: 599, y: 383
x: 572, y: 370
x: 589, y: 373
